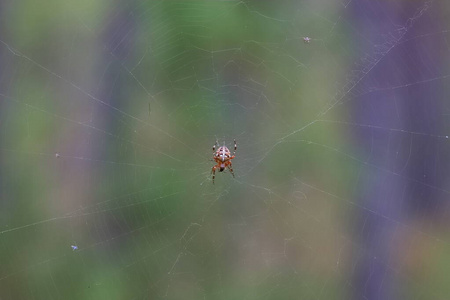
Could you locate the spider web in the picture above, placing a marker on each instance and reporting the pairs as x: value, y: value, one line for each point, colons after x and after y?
x: 108, y: 115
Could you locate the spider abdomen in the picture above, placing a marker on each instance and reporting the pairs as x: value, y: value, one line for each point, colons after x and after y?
x: 223, y: 159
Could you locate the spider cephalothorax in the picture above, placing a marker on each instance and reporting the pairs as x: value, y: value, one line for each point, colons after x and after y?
x: 223, y: 159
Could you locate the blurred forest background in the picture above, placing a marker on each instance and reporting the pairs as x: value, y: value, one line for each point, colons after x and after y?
x: 109, y: 111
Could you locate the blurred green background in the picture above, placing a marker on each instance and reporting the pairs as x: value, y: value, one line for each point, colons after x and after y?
x: 108, y: 114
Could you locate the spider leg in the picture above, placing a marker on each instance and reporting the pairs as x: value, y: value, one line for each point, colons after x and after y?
x: 231, y: 169
x: 235, y: 147
x: 213, y: 172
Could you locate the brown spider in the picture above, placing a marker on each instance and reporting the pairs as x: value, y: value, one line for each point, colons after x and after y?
x: 223, y: 159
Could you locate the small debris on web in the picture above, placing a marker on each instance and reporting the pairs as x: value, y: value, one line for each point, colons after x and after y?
x: 306, y: 39
x: 74, y: 247
x: 57, y: 155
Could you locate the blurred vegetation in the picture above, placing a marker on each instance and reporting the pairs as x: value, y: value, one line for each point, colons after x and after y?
x: 86, y: 162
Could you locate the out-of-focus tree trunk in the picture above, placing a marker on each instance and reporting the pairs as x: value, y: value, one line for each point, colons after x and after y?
x: 403, y: 178
x: 81, y: 181
x: 82, y: 185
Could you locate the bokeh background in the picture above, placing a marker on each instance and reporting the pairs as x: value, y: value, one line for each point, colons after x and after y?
x: 109, y: 111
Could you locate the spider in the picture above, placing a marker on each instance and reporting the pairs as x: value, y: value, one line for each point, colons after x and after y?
x: 223, y: 159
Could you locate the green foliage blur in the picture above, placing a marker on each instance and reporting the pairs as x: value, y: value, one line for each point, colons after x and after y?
x: 108, y: 114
